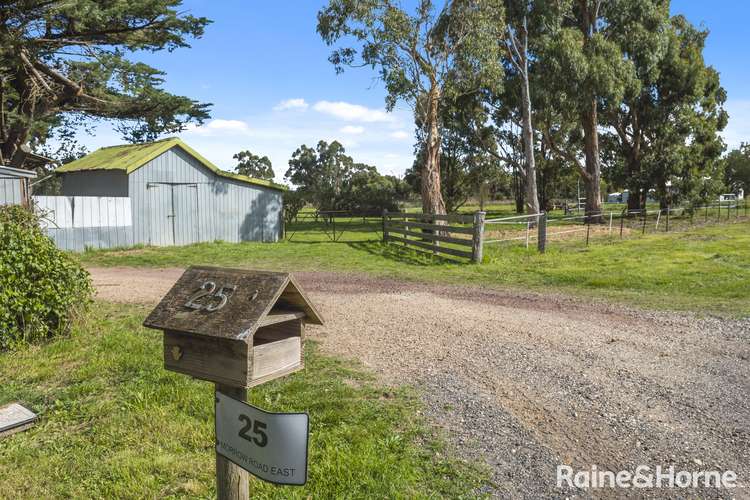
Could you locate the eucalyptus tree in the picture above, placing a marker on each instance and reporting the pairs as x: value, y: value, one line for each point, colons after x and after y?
x: 253, y: 165
x: 59, y: 59
x: 424, y: 57
x: 737, y: 169
x: 323, y: 174
x: 666, y: 127
x: 583, y: 65
x: 517, y: 44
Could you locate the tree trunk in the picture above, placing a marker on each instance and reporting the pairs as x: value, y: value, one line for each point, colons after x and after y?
x: 592, y: 179
x: 532, y: 196
x: 11, y: 148
x: 432, y: 197
x: 18, y: 133
x: 518, y: 185
x: 633, y: 169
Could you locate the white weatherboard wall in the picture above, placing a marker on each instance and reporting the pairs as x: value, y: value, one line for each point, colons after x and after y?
x: 80, y: 222
x: 10, y: 191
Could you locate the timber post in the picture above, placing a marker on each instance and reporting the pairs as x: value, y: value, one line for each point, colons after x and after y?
x: 385, y: 225
x: 232, y: 481
x: 478, y: 238
x: 542, y: 233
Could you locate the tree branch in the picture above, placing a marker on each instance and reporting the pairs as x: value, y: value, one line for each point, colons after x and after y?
x: 25, y: 60
x: 67, y: 83
x: 565, y: 155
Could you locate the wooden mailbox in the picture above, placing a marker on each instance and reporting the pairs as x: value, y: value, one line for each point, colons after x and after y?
x: 234, y: 327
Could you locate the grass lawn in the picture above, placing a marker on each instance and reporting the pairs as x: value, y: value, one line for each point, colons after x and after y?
x: 115, y: 424
x: 704, y: 269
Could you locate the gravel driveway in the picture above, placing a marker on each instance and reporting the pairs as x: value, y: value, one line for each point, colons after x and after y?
x: 526, y: 382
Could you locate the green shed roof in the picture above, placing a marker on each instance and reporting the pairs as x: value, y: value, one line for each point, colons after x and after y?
x: 129, y: 157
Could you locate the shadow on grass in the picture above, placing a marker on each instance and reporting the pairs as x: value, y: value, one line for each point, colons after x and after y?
x: 399, y: 253
x: 329, y: 241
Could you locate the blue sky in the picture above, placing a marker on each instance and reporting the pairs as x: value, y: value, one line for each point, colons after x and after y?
x: 265, y: 70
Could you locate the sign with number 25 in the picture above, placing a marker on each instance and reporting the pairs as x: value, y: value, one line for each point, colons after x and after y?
x: 272, y: 446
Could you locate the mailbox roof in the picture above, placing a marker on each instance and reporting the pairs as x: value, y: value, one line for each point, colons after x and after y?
x: 256, y: 294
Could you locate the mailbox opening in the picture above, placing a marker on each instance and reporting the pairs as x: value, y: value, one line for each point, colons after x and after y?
x: 277, y: 345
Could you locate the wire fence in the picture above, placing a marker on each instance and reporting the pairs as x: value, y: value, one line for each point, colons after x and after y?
x: 483, y: 236
x: 540, y: 230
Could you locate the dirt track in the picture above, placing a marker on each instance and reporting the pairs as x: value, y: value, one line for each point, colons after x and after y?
x: 527, y: 382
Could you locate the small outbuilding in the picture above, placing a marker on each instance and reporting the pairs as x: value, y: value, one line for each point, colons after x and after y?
x: 14, y: 186
x: 178, y: 197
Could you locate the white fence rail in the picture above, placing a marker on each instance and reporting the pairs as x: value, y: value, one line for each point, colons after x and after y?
x: 80, y: 222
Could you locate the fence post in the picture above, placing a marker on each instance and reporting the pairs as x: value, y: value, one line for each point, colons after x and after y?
x: 588, y: 229
x: 528, y: 227
x: 385, y: 225
x: 478, y: 238
x: 667, y: 225
x: 610, y: 223
x: 645, y: 214
x: 622, y: 221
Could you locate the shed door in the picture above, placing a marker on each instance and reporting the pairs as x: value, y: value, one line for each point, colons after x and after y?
x: 173, y: 213
x: 185, y: 212
x: 159, y: 218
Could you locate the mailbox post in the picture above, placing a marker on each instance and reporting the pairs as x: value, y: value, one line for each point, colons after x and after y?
x: 237, y: 328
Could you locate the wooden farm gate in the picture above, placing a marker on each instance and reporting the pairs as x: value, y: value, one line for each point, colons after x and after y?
x: 453, y: 235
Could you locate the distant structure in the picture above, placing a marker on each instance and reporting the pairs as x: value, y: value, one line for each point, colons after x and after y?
x: 16, y: 182
x: 14, y: 186
x: 176, y: 196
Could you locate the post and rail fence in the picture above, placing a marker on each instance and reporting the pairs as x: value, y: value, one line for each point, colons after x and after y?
x: 454, y: 235
x: 465, y: 235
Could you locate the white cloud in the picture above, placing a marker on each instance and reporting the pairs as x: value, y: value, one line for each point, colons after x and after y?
x: 352, y: 130
x: 278, y: 134
x: 220, y: 125
x: 297, y: 103
x: 352, y: 112
x: 400, y: 135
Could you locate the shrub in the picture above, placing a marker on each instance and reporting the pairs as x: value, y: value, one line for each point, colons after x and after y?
x: 41, y: 288
x: 294, y: 201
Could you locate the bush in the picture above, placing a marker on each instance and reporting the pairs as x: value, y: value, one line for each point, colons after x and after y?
x: 41, y: 288
x: 293, y: 203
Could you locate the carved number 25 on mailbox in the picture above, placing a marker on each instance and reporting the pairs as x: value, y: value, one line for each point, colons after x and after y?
x: 208, y: 288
